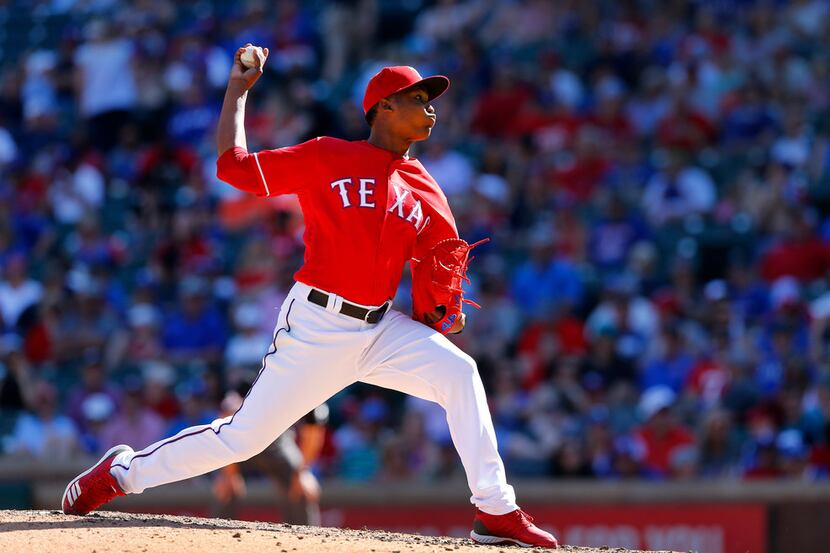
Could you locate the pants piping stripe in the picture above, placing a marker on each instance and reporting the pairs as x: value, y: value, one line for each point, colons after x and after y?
x: 272, y: 350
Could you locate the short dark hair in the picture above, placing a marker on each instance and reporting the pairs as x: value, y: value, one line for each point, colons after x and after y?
x: 371, y: 114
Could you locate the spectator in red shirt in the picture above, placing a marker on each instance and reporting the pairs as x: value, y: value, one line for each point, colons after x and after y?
x: 498, y: 106
x: 610, y: 116
x: 579, y: 175
x: 798, y: 252
x: 543, y: 341
x: 661, y: 435
x: 708, y: 379
x: 552, y: 124
x: 158, y: 377
x: 683, y: 128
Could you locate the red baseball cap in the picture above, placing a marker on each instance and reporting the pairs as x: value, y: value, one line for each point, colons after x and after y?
x: 390, y: 80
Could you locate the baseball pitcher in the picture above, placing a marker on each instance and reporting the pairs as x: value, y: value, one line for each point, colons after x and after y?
x: 369, y: 207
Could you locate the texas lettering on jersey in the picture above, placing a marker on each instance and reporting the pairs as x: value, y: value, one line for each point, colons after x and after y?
x: 404, y: 203
x: 367, y: 211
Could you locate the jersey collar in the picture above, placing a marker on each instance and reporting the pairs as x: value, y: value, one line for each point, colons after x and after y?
x: 391, y: 154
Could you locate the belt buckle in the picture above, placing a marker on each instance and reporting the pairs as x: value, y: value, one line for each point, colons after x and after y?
x: 381, y: 310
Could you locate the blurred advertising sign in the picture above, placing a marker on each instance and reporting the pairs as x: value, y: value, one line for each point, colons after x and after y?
x: 699, y: 527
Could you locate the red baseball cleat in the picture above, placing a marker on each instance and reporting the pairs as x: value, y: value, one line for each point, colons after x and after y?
x: 94, y: 487
x: 515, y: 528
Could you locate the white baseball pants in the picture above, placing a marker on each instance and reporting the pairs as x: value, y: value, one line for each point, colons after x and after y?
x: 317, y: 352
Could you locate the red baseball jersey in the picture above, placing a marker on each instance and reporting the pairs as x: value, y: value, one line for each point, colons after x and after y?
x: 367, y: 210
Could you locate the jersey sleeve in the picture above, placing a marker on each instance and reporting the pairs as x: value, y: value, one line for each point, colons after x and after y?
x: 270, y: 172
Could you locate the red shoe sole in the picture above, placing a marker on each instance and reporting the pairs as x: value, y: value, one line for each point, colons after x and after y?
x: 484, y: 539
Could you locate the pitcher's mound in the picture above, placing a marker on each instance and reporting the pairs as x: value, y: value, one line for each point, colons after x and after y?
x: 113, y: 532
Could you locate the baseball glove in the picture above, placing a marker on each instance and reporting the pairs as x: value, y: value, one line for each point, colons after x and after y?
x: 437, y: 284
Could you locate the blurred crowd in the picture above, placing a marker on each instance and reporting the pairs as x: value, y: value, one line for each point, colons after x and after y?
x: 654, y: 177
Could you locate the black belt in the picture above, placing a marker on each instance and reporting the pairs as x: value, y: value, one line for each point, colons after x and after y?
x: 371, y: 316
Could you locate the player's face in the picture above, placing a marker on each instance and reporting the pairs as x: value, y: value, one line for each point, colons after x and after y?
x: 413, y: 116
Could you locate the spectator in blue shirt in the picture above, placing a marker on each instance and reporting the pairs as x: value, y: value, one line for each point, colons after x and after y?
x: 195, y: 329
x: 545, y: 282
x: 672, y: 367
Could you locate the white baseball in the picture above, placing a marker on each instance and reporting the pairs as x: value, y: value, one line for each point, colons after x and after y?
x: 248, y: 58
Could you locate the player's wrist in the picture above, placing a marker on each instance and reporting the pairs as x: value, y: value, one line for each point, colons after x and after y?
x: 237, y: 87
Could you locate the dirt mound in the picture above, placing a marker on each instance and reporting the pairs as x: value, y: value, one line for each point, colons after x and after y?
x: 113, y: 532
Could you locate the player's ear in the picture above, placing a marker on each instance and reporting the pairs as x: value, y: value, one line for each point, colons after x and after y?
x: 386, y: 104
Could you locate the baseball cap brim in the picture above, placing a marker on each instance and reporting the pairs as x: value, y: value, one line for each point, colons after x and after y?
x: 435, y: 86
